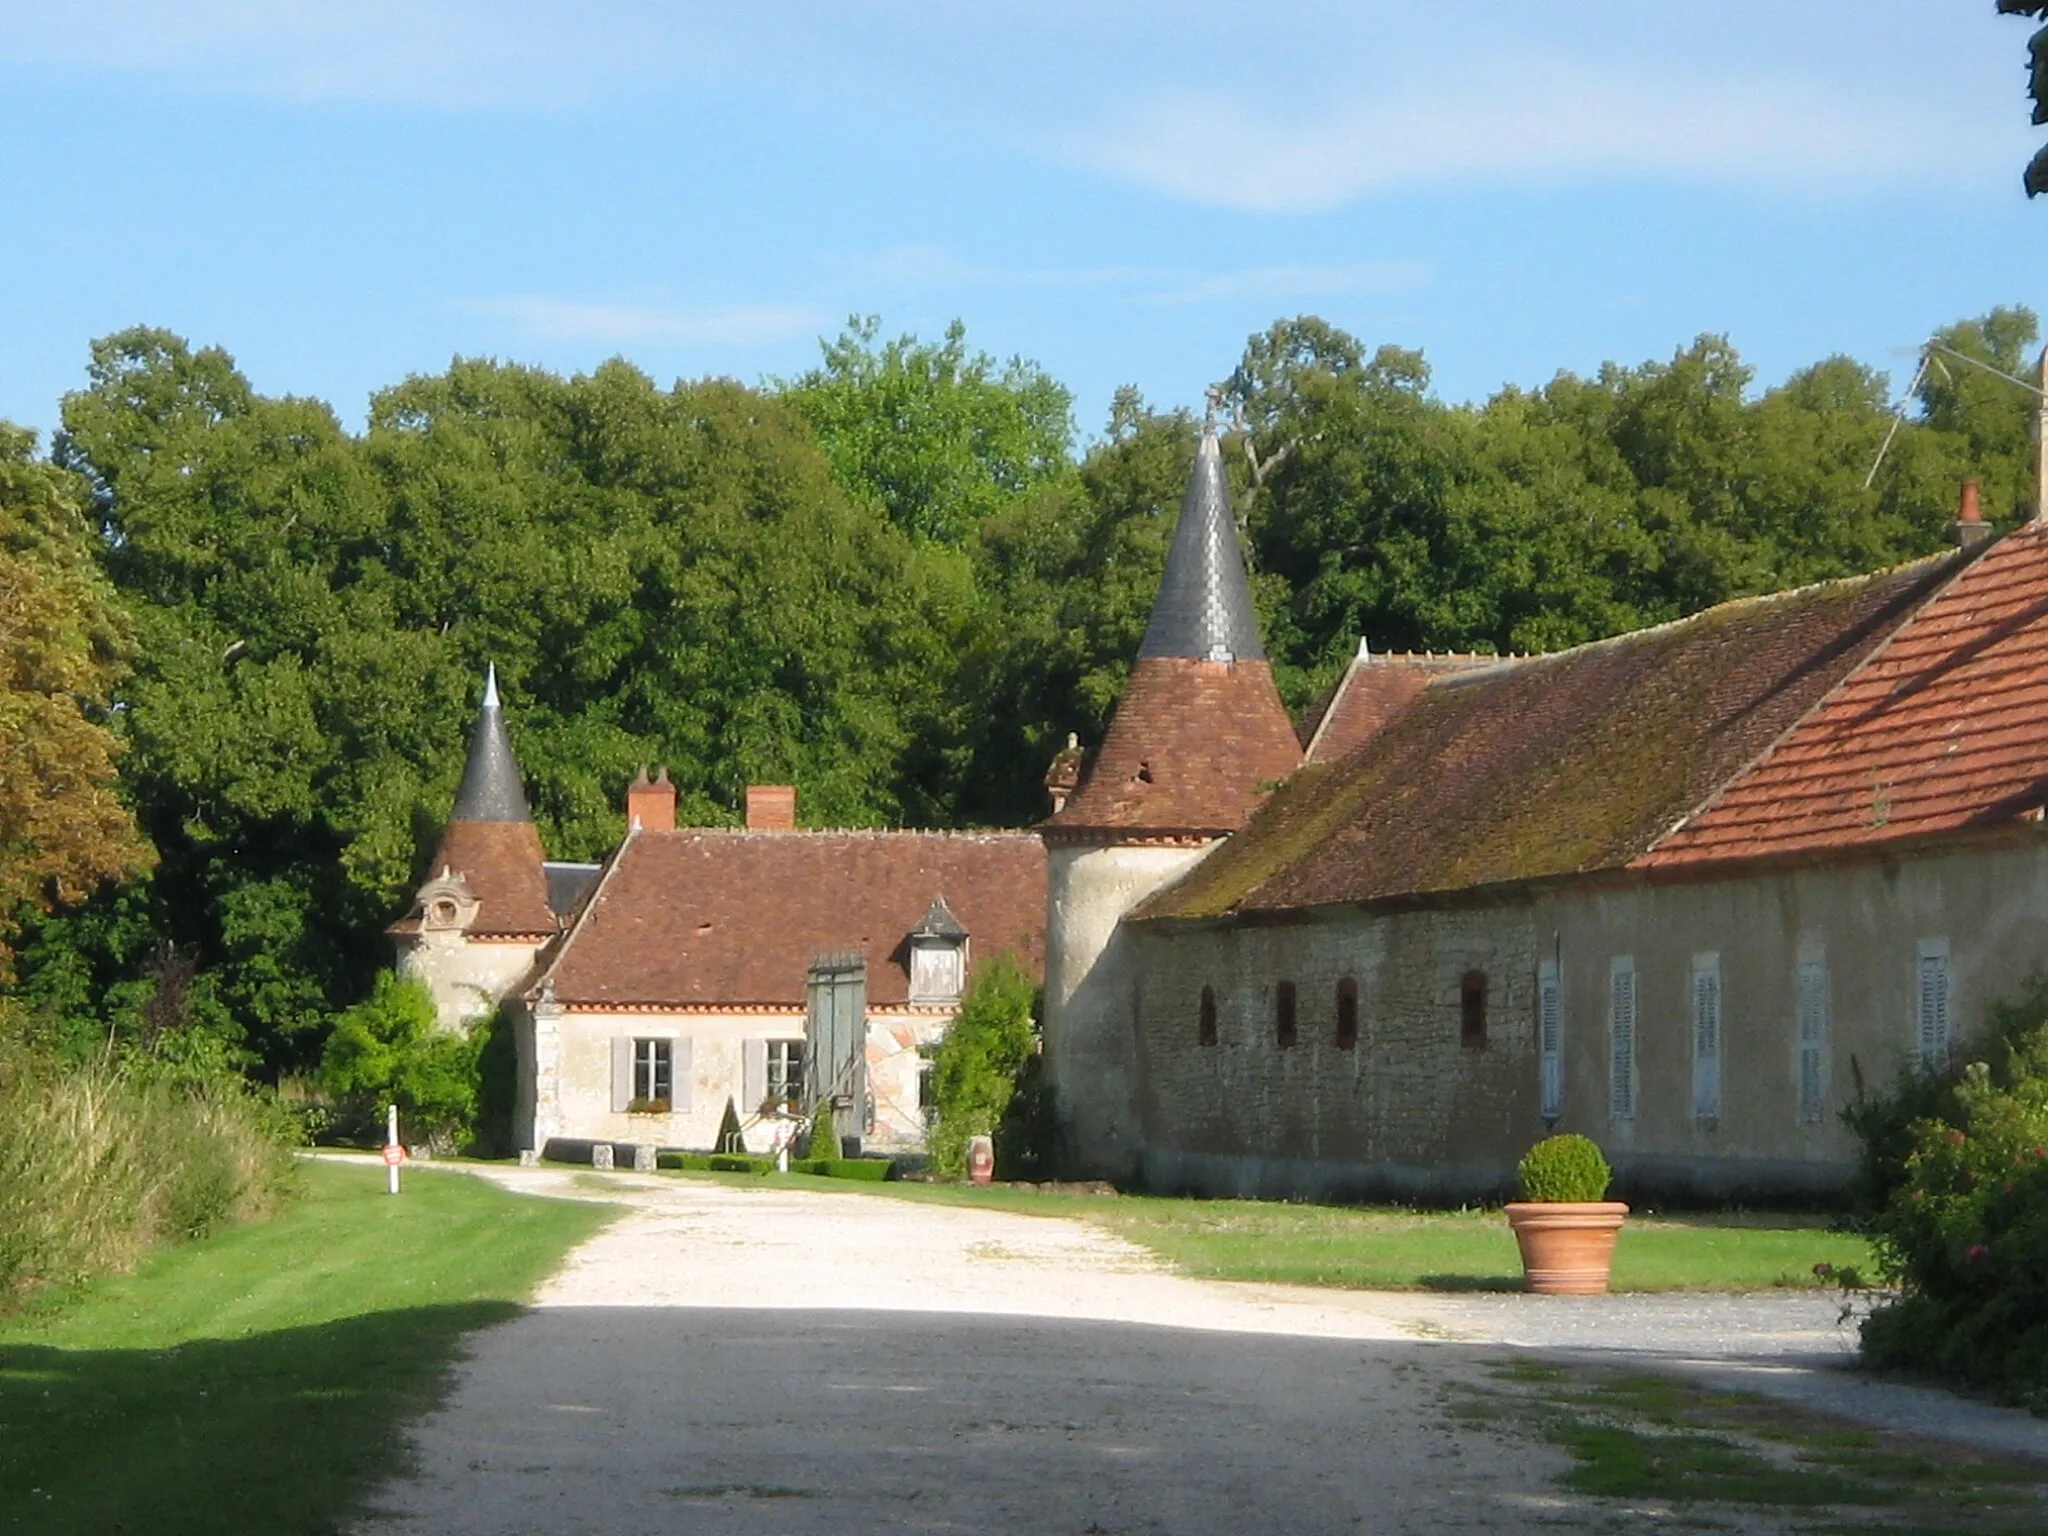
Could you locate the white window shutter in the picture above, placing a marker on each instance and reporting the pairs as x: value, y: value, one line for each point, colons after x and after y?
x: 1550, y: 1039
x: 1621, y: 1040
x: 1706, y: 1036
x: 753, y: 1074
x: 622, y: 1073
x: 682, y: 1081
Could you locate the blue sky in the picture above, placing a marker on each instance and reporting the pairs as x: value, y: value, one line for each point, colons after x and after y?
x: 343, y: 194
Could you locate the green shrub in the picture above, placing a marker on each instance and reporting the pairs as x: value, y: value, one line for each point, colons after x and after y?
x: 729, y: 1162
x: 391, y: 1049
x: 1564, y: 1169
x: 989, y: 1054
x: 824, y: 1137
x: 101, y: 1162
x: 1964, y: 1235
x: 730, y: 1137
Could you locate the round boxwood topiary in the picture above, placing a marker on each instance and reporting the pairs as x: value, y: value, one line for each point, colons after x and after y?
x: 1564, y: 1169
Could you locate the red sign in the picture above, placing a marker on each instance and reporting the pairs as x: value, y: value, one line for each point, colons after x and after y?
x: 394, y: 1155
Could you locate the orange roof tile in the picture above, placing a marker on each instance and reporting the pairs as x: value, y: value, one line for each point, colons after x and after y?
x: 1373, y: 690
x: 702, y: 916
x: 1944, y: 727
x: 501, y: 861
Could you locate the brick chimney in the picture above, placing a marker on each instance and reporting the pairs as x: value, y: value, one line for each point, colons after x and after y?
x: 1970, y: 529
x: 651, y: 804
x: 771, y: 807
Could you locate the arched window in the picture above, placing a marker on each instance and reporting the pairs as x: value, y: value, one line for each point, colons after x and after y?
x: 1347, y: 1014
x: 1207, y: 1027
x: 1283, y: 1016
x: 1472, y: 1011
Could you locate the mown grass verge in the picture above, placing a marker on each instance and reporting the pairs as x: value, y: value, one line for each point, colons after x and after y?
x: 1687, y: 1453
x: 259, y: 1380
x: 1403, y: 1250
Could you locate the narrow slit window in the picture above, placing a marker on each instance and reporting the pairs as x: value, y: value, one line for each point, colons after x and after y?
x: 1205, y: 1027
x: 1621, y: 1039
x: 1706, y: 1036
x: 1347, y: 1014
x: 1284, y: 1032
x: 1472, y: 1011
x: 1550, y: 1039
x: 1813, y: 1041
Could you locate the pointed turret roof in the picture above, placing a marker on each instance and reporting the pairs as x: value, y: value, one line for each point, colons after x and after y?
x: 490, y: 790
x: 1200, y: 734
x: 490, y: 839
x: 1204, y: 607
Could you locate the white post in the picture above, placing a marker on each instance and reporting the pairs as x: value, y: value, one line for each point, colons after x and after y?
x: 2041, y: 444
x: 391, y: 1140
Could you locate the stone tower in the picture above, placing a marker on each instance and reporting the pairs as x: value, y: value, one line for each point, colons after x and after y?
x: 475, y: 925
x: 1198, y: 736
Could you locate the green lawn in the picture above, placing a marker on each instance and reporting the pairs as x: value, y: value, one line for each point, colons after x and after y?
x: 1403, y: 1250
x: 258, y: 1381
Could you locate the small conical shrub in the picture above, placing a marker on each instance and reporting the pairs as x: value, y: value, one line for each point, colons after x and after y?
x: 729, y: 1137
x: 824, y: 1138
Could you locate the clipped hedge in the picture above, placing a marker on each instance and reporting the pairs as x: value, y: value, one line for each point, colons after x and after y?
x: 871, y: 1170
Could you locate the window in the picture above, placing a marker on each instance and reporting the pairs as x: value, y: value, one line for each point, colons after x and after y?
x: 653, y: 1074
x: 1706, y: 1036
x: 1933, y: 1031
x: 1621, y: 1038
x: 1550, y: 1040
x: 927, y: 1096
x: 938, y: 969
x: 785, y: 1070
x: 1813, y: 1038
x: 1472, y: 1011
x: 1206, y: 1026
x: 1283, y: 1016
x: 1347, y: 1014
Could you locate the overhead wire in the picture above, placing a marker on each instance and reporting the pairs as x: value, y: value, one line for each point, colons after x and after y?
x: 1928, y: 358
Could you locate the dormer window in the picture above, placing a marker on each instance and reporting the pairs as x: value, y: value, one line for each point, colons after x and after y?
x: 446, y: 904
x: 938, y: 956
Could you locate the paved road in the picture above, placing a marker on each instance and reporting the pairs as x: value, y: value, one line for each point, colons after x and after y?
x: 760, y: 1360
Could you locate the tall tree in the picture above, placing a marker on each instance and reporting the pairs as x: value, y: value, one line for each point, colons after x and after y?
x: 937, y: 436
x: 64, y: 830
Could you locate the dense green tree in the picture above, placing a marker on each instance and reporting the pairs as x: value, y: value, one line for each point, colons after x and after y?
x: 936, y: 436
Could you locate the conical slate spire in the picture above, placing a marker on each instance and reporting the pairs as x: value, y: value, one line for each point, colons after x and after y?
x: 1204, y: 607
x: 490, y: 780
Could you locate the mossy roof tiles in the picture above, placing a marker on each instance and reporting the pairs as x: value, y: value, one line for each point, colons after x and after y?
x: 1943, y: 728
x: 1551, y: 765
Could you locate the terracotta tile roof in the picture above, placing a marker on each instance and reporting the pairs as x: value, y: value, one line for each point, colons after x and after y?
x: 1555, y: 764
x: 1372, y: 691
x: 1194, y: 745
x: 1944, y: 727
x: 709, y: 916
x: 501, y: 861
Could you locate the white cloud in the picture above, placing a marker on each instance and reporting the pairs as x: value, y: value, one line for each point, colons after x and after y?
x: 740, y: 325
x: 1547, y: 125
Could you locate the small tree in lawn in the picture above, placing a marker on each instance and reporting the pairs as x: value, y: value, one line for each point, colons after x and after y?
x: 730, y: 1139
x: 977, y: 1067
x: 390, y: 1049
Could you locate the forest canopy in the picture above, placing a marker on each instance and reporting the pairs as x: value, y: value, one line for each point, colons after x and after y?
x: 895, y: 581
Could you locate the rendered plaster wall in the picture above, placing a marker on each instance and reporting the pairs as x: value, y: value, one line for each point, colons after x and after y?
x: 1090, y: 997
x: 468, y: 978
x: 565, y: 1085
x: 1411, y: 1109
x: 1866, y: 921
x: 1412, y: 1113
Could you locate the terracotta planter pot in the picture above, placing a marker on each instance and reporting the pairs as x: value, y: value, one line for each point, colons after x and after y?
x: 1567, y: 1248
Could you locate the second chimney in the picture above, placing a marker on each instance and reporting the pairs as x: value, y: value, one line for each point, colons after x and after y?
x: 771, y: 807
x: 1970, y: 527
x: 651, y: 804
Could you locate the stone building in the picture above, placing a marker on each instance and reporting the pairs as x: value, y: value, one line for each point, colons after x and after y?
x: 1681, y: 890
x: 686, y: 970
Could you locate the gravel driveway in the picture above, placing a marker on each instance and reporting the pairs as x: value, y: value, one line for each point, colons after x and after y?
x: 727, y: 1359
